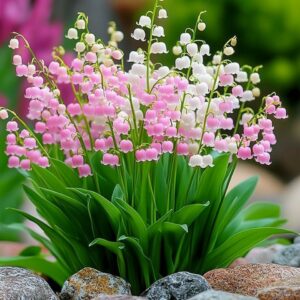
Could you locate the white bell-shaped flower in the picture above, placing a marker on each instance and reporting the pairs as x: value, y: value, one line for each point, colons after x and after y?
x: 217, y: 59
x: 198, y: 68
x: 192, y: 49
x: 145, y: 21
x: 246, y: 117
x: 207, y: 161
x: 185, y: 38
x: 158, y: 31
x: 242, y: 76
x: 139, y: 34
x: 255, y: 79
x: 196, y: 161
x: 72, y: 34
x: 136, y: 57
x: 163, y: 71
x: 247, y: 96
x: 232, y: 68
x: 205, y: 49
x: 202, y: 88
x: 90, y: 39
x: 139, y: 69
x: 158, y: 48
x: 80, y: 47
x: 13, y: 44
x: 182, y: 63
x: 162, y: 14
x: 80, y: 24
x: 198, y: 58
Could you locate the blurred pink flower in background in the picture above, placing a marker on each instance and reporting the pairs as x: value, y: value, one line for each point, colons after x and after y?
x: 33, y: 20
x: 3, y: 101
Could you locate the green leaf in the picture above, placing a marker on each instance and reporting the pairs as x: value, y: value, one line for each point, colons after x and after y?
x: 117, y: 193
x: 117, y: 249
x: 233, y: 203
x: 235, y: 200
x: 237, y: 245
x: 189, y: 213
x: 45, y: 178
x: 137, y: 253
x: 134, y: 223
x: 38, y: 264
x: 31, y: 251
x: 257, y: 214
x: 112, y: 212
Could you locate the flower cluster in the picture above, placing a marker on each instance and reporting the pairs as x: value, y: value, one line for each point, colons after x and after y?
x: 150, y: 109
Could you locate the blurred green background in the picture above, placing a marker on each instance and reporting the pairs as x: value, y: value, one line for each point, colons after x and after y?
x: 268, y: 33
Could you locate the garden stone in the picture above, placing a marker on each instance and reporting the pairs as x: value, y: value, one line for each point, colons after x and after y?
x: 248, y: 279
x: 89, y: 283
x: 122, y: 297
x: 178, y: 286
x: 289, y: 256
x: 263, y: 255
x: 297, y: 240
x: 219, y: 295
x: 18, y: 283
x: 283, y: 290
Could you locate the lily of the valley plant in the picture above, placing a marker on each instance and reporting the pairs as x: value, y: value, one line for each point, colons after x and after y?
x: 131, y: 178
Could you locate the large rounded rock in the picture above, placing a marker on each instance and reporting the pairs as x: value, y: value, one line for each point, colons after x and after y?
x: 248, y: 279
x: 178, y: 286
x: 289, y: 256
x: 282, y: 290
x: 18, y: 283
x: 90, y: 283
x: 219, y: 295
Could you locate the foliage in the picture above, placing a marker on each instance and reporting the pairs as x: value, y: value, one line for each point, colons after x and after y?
x: 11, y: 193
x: 141, y: 241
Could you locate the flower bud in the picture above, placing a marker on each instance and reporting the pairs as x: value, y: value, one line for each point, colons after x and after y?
x: 201, y: 26
x: 228, y: 51
x: 80, y: 24
x: 3, y: 114
x: 117, y: 36
x: 177, y: 50
x: 256, y: 92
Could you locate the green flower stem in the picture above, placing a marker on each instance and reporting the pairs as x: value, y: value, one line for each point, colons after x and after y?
x: 173, y: 168
x: 78, y: 100
x: 150, y: 43
x: 121, y: 170
x: 28, y: 129
x: 241, y: 110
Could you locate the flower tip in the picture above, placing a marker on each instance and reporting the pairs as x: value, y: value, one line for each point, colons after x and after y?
x: 3, y: 114
x: 13, y: 44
